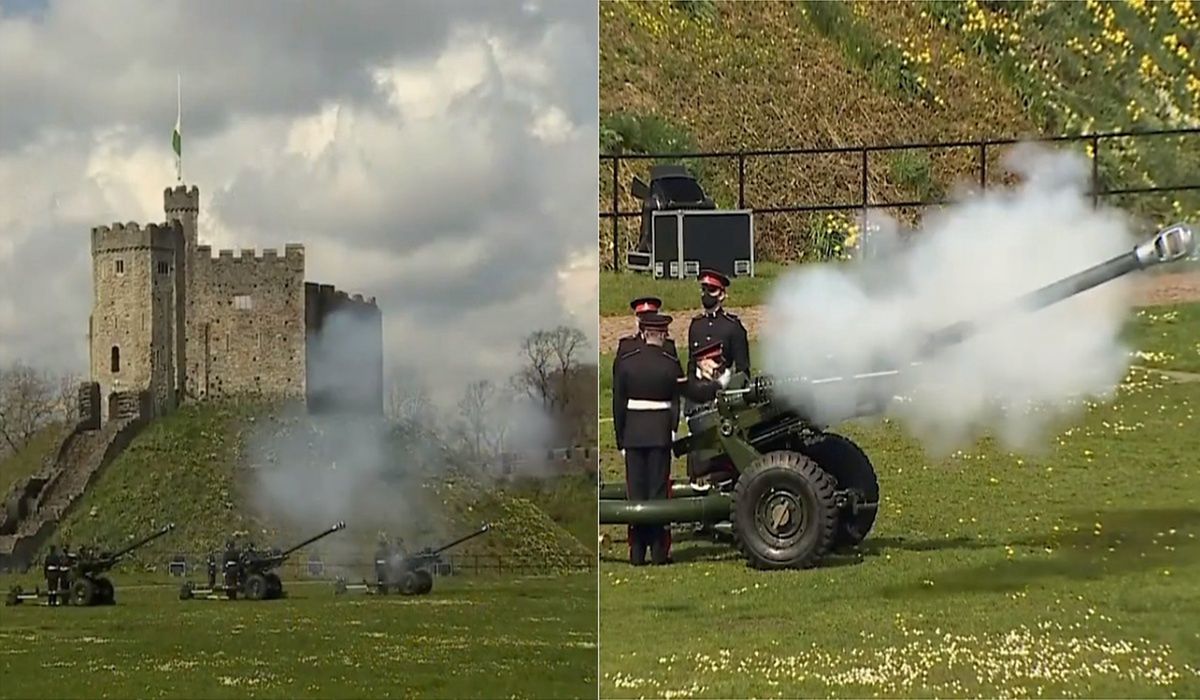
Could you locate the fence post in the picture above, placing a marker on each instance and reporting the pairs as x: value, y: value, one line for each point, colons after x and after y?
x: 741, y: 180
x: 616, y: 225
x: 1095, y: 170
x: 983, y: 166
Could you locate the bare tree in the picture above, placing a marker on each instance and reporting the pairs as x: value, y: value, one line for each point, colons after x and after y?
x: 29, y: 400
x: 473, y: 409
x: 551, y: 357
x: 408, y: 400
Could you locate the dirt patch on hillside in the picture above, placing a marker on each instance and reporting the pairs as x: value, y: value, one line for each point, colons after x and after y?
x: 1153, y: 290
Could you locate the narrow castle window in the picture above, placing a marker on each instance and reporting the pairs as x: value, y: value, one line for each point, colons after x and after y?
x: 243, y: 302
x: 163, y: 268
x: 116, y: 359
x: 120, y: 267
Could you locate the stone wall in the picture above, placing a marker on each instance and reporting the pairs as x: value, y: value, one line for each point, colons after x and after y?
x: 249, y: 310
x: 133, y: 314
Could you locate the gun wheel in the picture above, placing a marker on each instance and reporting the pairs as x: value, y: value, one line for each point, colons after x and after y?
x: 855, y: 476
x: 104, y: 592
x: 83, y: 592
x: 185, y: 591
x: 409, y: 584
x: 13, y: 597
x: 274, y: 586
x: 256, y: 587
x: 424, y: 582
x: 784, y: 512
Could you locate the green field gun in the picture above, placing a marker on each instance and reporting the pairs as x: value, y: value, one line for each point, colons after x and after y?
x: 254, y: 577
x: 787, y: 489
x: 407, y: 574
x: 83, y: 575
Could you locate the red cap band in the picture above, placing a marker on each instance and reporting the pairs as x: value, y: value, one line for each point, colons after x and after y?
x: 645, y: 306
x: 712, y: 280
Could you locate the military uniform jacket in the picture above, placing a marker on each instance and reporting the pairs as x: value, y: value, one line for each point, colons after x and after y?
x: 719, y: 325
x: 645, y: 397
x: 626, y: 345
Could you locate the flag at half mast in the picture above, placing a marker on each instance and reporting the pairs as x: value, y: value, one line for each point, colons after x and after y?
x: 176, y: 137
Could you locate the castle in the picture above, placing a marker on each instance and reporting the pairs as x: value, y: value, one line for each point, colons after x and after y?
x: 171, y: 323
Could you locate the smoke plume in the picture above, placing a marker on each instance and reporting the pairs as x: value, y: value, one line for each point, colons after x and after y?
x: 1021, y: 372
x: 341, y: 458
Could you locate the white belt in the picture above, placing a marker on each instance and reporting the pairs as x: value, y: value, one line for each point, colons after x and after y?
x: 646, y: 405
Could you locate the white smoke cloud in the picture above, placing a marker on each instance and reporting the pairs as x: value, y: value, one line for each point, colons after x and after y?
x: 963, y: 264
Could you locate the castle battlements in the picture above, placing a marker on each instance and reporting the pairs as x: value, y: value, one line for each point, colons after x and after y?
x: 181, y: 198
x: 133, y: 236
x: 292, y: 252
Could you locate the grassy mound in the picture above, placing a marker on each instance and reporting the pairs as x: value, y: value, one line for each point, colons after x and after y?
x: 192, y: 468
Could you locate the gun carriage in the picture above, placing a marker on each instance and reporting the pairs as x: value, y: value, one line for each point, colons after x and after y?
x: 789, y: 490
x: 406, y: 574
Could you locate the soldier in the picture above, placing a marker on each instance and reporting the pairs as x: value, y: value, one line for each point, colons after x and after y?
x: 382, y: 555
x: 65, y: 561
x: 50, y: 571
x: 714, y: 324
x: 231, y: 565
x: 640, y: 306
x: 647, y: 385
x: 212, y: 570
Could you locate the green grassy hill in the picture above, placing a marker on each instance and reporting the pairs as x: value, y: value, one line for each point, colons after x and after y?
x: 190, y: 468
x: 680, y: 76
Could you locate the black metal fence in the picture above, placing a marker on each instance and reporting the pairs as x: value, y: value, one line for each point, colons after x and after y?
x: 1096, y: 144
x: 194, y: 565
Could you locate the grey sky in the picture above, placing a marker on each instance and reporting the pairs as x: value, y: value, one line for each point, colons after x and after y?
x: 437, y: 155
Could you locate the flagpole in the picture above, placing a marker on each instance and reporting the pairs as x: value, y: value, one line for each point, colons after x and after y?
x: 176, y: 140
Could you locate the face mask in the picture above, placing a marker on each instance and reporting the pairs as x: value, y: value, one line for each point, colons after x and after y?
x: 709, y: 301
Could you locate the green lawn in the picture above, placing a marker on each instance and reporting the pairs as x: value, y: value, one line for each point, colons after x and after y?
x: 1067, y: 573
x: 617, y: 289
x: 474, y: 637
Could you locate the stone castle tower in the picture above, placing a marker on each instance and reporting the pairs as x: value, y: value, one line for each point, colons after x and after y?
x: 170, y: 322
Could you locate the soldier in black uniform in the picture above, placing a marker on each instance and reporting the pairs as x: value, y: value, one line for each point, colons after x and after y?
x: 50, y: 571
x: 714, y: 324
x: 647, y: 386
x: 212, y: 571
x: 231, y: 565
x: 65, y: 560
x: 642, y: 306
x: 383, y: 554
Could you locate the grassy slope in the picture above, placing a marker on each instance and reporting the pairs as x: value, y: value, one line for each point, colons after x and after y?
x: 763, y: 75
x: 31, y: 457
x: 1059, y: 558
x: 469, y: 638
x: 184, y: 469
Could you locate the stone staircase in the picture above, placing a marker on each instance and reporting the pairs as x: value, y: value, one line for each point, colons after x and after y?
x: 34, y: 507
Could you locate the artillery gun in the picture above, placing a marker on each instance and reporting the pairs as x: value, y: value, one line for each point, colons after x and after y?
x: 788, y: 490
x: 406, y: 574
x: 254, y: 577
x: 83, y: 575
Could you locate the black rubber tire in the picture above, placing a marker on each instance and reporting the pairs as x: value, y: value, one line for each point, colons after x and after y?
x: 424, y: 582
x: 185, y: 592
x: 408, y: 583
x: 274, y: 586
x: 83, y: 592
x: 851, y: 469
x: 794, y: 478
x: 105, y: 595
x: 256, y: 587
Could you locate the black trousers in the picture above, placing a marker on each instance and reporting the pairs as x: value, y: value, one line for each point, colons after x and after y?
x: 648, y: 478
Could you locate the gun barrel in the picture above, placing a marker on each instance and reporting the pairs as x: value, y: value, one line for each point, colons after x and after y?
x: 1168, y: 245
x: 145, y: 540
x: 336, y: 526
x: 455, y: 543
